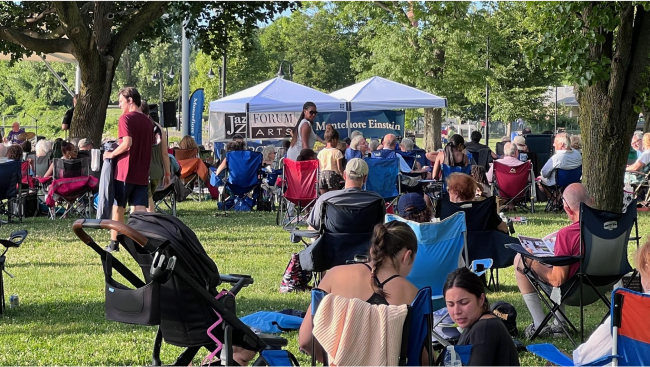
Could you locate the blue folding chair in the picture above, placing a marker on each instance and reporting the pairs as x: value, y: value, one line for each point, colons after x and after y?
x: 447, y: 170
x: 630, y: 336
x: 383, y: 178
x: 417, y: 328
x: 563, y: 178
x: 242, y: 176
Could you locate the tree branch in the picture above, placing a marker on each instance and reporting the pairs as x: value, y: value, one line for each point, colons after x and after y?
x: 624, y: 47
x: 38, y: 45
x: 39, y: 17
x: 73, y: 24
x: 149, y: 12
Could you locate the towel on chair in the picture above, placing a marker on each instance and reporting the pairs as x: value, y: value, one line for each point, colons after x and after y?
x: 356, y: 333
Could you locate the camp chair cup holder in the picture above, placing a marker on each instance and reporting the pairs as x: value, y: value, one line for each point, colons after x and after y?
x: 139, y: 306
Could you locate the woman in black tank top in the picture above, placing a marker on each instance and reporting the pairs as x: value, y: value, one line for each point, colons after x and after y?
x: 392, y: 252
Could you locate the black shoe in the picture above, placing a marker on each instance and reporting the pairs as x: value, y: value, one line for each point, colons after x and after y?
x: 113, y: 246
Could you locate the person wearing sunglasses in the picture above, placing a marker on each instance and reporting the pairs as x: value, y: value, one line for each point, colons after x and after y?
x: 303, y: 135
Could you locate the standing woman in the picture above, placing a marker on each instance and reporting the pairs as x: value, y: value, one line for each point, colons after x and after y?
x: 160, y: 167
x: 303, y: 135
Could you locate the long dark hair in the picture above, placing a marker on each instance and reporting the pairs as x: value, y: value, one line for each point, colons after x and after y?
x: 294, y: 138
x: 387, y: 240
x: 465, y: 279
x: 458, y: 143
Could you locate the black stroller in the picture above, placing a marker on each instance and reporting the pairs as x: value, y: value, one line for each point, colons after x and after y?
x: 179, y: 291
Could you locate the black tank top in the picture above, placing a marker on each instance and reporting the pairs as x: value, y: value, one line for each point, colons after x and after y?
x: 377, y: 299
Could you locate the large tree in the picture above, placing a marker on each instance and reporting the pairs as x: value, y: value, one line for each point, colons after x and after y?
x: 96, y: 33
x: 603, y: 48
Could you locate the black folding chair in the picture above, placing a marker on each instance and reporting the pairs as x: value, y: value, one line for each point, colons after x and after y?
x: 482, y: 243
x: 563, y: 178
x: 164, y: 199
x: 11, y: 199
x: 604, y: 238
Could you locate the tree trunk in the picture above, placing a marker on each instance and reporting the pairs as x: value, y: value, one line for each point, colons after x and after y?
x: 437, y: 129
x: 646, y: 120
x: 90, y: 112
x: 606, y: 123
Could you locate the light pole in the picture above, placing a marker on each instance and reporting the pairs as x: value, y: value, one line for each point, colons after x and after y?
x: 280, y: 73
x: 211, y: 75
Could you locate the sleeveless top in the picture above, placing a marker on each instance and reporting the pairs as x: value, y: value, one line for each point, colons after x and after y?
x: 294, y: 151
x: 377, y: 299
x: 156, y: 170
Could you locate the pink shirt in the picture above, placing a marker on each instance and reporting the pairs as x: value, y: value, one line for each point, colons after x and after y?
x: 567, y: 243
x: 508, y: 161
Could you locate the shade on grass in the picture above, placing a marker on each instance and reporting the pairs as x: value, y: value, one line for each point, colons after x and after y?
x: 60, y: 320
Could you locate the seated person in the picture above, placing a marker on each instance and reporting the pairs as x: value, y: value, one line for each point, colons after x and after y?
x: 412, y: 206
x: 373, y: 145
x: 407, y: 145
x: 520, y: 142
x: 475, y: 144
x: 187, y: 149
x: 510, y: 154
x: 307, y: 155
x: 599, y: 343
x: 576, y: 143
x: 469, y: 308
x: 644, y: 158
x: 230, y: 147
x: 564, y: 158
x: 526, y: 131
x: 567, y: 243
x: 268, y: 157
x: 358, y: 148
x: 355, y: 175
x: 409, y: 184
x: 453, y: 155
x: 462, y: 188
x: 12, y: 136
x: 380, y: 281
x: 636, y: 145
x: 69, y: 152
x: 14, y: 153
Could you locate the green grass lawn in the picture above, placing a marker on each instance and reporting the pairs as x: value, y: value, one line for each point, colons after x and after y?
x: 60, y: 320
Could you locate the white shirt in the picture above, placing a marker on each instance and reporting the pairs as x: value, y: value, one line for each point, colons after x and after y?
x: 644, y: 157
x: 562, y: 159
x: 403, y: 166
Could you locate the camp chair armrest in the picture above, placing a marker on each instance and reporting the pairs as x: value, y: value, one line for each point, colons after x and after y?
x: 550, y: 260
x: 298, y: 235
x: 638, y: 173
x: 551, y: 354
x: 238, y: 281
x: 274, y: 341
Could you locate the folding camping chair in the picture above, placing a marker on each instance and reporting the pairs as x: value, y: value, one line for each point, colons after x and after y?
x: 11, y: 198
x: 243, y: 177
x: 384, y: 179
x: 193, y: 172
x: 604, y: 238
x: 563, y: 178
x: 482, y: 243
x: 500, y: 148
x: 14, y: 240
x: 540, y: 149
x: 72, y: 186
x: 630, y: 337
x: 346, y: 227
x: 513, y: 184
x: 482, y: 157
x: 164, y: 199
x: 414, y: 156
x: 415, y: 334
x: 298, y: 191
x: 639, y: 180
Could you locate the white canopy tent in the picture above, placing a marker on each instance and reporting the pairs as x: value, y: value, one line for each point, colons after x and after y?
x: 265, y: 111
x: 276, y: 95
x: 378, y: 93
x: 54, y: 57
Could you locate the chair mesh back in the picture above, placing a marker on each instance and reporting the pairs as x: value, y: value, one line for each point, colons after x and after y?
x: 634, y: 331
x: 477, y: 213
x: 541, y: 145
x: 605, y: 237
x: 512, y: 180
x: 301, y: 180
x: 382, y: 176
x: 359, y: 218
x: 439, y: 247
x: 70, y: 168
x: 420, y: 308
x: 447, y: 170
x: 10, y: 177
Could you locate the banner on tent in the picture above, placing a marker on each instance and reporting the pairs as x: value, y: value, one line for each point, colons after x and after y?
x: 258, y: 126
x: 372, y: 124
x: 196, y: 115
x: 272, y: 125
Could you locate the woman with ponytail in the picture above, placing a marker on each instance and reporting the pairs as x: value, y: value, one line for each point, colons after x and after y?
x: 469, y: 308
x: 453, y: 155
x: 303, y: 135
x: 380, y: 281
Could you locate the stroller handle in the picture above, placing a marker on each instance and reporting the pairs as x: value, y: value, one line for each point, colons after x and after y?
x: 79, y: 225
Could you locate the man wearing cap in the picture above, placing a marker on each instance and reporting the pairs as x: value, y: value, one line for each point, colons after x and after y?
x: 352, y: 195
x: 520, y: 142
x: 12, y: 137
x: 412, y: 206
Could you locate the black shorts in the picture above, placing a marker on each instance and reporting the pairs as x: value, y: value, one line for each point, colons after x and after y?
x: 134, y: 194
x: 330, y: 180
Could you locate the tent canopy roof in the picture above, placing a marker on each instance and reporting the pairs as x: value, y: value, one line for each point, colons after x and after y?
x: 565, y: 96
x: 378, y: 93
x: 55, y: 57
x: 276, y: 95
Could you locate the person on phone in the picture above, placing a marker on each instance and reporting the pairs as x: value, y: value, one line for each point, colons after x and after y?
x: 567, y: 243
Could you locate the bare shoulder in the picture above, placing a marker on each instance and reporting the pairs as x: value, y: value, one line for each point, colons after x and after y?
x: 401, y: 291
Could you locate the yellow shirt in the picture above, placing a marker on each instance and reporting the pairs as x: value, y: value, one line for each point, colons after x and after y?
x: 328, y: 158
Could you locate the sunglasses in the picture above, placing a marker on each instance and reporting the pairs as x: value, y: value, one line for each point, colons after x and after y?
x: 313, y: 112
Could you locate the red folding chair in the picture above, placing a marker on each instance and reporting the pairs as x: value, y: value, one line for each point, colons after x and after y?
x: 514, y: 185
x: 299, y: 190
x: 27, y: 180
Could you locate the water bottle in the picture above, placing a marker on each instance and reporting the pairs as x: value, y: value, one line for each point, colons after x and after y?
x: 14, y: 301
x: 451, y: 357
